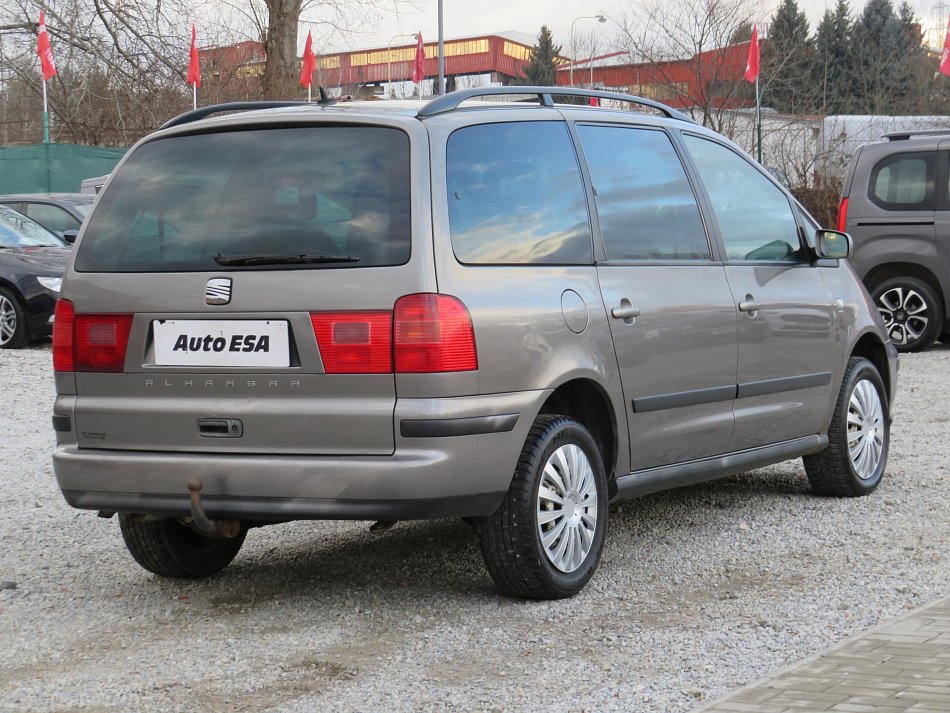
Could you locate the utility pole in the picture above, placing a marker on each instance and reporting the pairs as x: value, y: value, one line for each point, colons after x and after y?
x: 441, y: 89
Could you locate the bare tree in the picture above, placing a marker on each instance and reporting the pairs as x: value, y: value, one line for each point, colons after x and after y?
x: 274, y: 23
x: 662, y: 35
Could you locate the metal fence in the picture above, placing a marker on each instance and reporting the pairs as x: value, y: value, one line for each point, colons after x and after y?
x: 49, y: 168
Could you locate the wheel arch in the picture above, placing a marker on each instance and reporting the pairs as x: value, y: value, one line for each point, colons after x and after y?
x: 870, y: 346
x: 587, y: 401
x: 887, y: 270
x: 7, y: 284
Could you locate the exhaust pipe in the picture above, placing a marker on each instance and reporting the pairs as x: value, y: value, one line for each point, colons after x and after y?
x: 204, y: 524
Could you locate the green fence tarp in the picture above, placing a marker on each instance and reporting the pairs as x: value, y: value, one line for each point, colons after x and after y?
x: 53, y: 168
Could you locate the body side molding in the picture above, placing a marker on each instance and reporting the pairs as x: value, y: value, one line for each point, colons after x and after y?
x: 652, y: 480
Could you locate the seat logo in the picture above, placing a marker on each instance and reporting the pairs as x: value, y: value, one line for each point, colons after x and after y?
x: 218, y: 291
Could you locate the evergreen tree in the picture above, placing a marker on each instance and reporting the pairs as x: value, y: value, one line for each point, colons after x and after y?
x: 541, y: 70
x: 787, y: 60
x: 742, y: 33
x: 830, y: 72
x: 878, y: 41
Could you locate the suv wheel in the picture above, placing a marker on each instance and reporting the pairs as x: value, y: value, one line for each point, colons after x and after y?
x: 546, y: 538
x: 858, y: 437
x: 912, y: 312
x: 170, y: 548
x: 13, y: 332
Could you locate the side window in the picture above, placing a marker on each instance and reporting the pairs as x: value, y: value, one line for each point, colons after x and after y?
x: 646, y: 206
x: 516, y: 195
x: 903, y: 182
x: 51, y: 217
x: 754, y: 216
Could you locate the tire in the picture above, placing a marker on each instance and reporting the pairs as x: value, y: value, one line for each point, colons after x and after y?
x: 912, y: 312
x: 511, y: 539
x: 170, y: 549
x: 841, y: 469
x: 14, y: 333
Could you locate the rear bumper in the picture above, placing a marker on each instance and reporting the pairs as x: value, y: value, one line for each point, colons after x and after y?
x: 454, y: 457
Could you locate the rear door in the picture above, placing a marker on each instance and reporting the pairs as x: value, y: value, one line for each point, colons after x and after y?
x: 785, y: 312
x: 672, y: 316
x: 196, y: 238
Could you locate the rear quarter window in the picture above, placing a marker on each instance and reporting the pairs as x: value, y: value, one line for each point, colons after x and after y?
x: 903, y: 182
x: 336, y: 191
x: 516, y: 195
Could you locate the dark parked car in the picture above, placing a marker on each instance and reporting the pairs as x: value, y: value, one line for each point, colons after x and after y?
x: 896, y: 207
x: 62, y: 213
x: 32, y: 261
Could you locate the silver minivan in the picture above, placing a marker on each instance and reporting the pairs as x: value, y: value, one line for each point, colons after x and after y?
x: 510, y: 312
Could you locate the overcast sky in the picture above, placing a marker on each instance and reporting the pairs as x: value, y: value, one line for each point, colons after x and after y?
x: 474, y: 17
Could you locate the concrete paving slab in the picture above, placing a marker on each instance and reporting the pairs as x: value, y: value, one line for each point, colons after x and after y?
x: 899, y: 667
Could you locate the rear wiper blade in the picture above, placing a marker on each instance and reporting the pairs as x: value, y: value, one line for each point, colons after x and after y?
x: 223, y: 259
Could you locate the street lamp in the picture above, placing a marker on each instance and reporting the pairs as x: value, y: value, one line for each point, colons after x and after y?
x: 601, y: 19
x: 389, y: 60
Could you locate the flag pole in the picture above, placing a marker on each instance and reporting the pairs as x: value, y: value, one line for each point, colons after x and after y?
x: 758, y: 119
x: 45, y: 116
x: 194, y: 96
x: 309, y: 93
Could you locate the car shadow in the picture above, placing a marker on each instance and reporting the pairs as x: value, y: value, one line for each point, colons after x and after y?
x: 425, y: 560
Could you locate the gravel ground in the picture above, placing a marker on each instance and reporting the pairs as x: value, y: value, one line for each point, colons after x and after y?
x: 700, y: 591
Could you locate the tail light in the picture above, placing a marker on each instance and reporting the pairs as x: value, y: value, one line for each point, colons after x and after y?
x: 63, y: 336
x: 354, y: 342
x: 843, y: 215
x: 433, y: 333
x: 89, y: 342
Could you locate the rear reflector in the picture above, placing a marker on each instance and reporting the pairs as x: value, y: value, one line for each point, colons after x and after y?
x: 433, y: 333
x: 89, y: 342
x: 843, y: 215
x: 354, y: 342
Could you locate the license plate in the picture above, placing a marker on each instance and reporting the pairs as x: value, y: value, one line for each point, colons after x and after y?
x: 205, y: 342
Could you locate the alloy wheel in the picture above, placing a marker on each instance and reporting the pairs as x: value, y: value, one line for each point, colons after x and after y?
x: 905, y: 313
x: 8, y: 322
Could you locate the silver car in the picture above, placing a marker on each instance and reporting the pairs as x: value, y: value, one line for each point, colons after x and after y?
x: 510, y: 312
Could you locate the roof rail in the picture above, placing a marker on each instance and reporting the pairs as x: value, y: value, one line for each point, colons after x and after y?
x: 451, y: 101
x: 206, y: 111
x: 905, y: 135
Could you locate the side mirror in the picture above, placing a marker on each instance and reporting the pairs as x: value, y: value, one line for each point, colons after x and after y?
x: 70, y: 236
x: 832, y: 244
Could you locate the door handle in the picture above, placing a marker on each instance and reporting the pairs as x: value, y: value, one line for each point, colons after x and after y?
x: 625, y: 311
x: 749, y: 305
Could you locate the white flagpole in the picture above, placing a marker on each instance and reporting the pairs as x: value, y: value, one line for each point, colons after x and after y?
x: 194, y: 95
x: 309, y: 88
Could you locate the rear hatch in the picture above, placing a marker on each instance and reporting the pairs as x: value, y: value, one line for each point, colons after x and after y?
x: 226, y: 257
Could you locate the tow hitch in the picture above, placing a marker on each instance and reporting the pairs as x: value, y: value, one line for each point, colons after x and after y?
x: 200, y: 520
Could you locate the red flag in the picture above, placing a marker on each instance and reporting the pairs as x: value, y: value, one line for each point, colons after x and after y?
x: 309, y: 63
x: 945, y: 57
x: 194, y: 69
x: 419, y: 68
x: 752, y: 64
x: 44, y: 51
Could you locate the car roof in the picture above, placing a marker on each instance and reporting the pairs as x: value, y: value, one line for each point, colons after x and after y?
x: 50, y: 197
x: 284, y: 111
x: 903, y: 141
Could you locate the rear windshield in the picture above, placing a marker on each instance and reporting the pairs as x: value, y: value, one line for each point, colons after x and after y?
x: 186, y: 203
